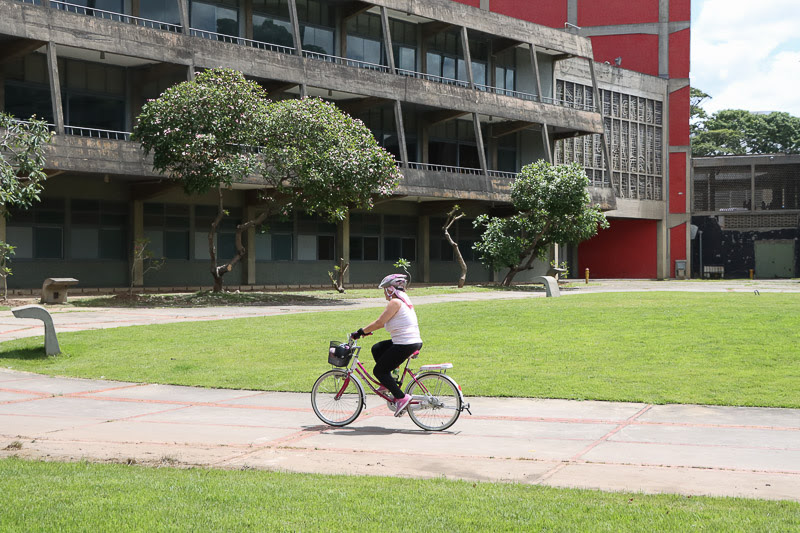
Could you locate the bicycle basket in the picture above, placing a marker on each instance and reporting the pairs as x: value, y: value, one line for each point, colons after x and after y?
x: 339, y: 354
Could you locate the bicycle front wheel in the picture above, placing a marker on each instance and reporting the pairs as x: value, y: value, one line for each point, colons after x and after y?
x: 437, y: 402
x: 337, y: 398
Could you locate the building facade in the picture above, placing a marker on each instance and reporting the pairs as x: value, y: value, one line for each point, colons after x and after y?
x: 463, y: 94
x: 746, y: 216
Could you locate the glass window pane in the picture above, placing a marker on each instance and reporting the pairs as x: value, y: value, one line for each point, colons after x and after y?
x: 85, y: 243
x: 281, y: 247
x: 434, y: 65
x: 449, y: 68
x: 227, y: 21
x: 355, y: 48
x: 356, y: 248
x: 25, y: 101
x: 160, y: 10
x: 112, y: 244
x: 226, y: 246
x: 326, y: 248
x: 271, y: 30
x: 22, y: 239
x: 263, y: 247
x: 410, y: 249
x: 392, y: 248
x: 47, y: 243
x: 204, y: 16
x: 371, y: 249
x: 176, y: 244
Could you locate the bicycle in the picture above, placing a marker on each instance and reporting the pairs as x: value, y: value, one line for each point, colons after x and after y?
x: 338, y: 395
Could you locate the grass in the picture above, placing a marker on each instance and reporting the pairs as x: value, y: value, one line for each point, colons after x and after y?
x: 655, y: 347
x: 39, y: 496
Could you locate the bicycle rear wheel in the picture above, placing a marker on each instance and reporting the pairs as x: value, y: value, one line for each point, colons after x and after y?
x: 336, y: 398
x: 437, y: 402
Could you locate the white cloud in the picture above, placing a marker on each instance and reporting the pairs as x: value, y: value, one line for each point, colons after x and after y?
x: 746, y: 54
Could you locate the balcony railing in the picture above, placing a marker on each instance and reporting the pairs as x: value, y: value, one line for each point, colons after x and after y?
x: 261, y: 45
x: 97, y: 133
x: 117, y: 17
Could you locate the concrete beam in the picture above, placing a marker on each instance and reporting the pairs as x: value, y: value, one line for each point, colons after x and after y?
x: 353, y: 9
x: 143, y: 192
x: 435, y: 117
x: 354, y: 106
x: 16, y: 48
x: 507, y: 128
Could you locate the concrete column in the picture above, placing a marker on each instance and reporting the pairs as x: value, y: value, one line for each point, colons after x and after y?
x: 183, y: 9
x: 387, y: 40
x: 467, y: 56
x: 249, y: 266
x: 248, y: 19
x: 401, y: 132
x: 479, y: 140
x: 296, y: 37
x: 663, y: 38
x: 662, y: 252
x: 135, y: 8
x: 535, y: 67
x: 572, y: 12
x: 137, y: 207
x: 343, y: 244
x: 55, y: 87
x: 424, y: 234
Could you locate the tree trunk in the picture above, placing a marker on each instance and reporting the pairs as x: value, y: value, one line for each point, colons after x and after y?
x: 449, y: 222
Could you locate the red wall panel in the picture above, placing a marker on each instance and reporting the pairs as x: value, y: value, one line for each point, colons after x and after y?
x: 677, y: 183
x: 638, y: 51
x: 627, y: 249
x: 679, y: 54
x: 680, y: 10
x: 612, y: 12
x: 677, y: 246
x: 679, y: 117
x: 545, y: 12
x: 473, y: 3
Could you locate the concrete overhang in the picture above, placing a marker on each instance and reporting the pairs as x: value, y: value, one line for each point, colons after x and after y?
x: 745, y: 160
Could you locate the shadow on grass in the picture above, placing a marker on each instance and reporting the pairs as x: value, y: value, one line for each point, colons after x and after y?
x: 24, y: 354
x: 207, y: 299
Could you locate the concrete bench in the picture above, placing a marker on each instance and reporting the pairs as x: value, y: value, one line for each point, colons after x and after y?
x: 555, y: 272
x: 550, y: 285
x: 40, y: 313
x: 54, y: 290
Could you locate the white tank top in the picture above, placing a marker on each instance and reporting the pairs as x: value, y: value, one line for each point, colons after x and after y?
x: 403, y: 326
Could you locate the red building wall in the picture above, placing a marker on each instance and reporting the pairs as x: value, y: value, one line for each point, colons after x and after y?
x: 677, y: 245
x: 627, y: 249
x: 679, y: 54
x: 615, y: 12
x: 677, y: 182
x: 551, y: 13
x: 638, y: 51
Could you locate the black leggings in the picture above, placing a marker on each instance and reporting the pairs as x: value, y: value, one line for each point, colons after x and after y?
x: 389, y: 356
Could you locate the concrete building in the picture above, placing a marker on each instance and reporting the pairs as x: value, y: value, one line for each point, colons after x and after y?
x: 746, y: 216
x: 468, y: 95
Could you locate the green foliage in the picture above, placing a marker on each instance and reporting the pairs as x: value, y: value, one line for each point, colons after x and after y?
x: 199, y: 131
x: 740, y: 132
x: 22, y: 161
x: 553, y: 206
x: 323, y: 159
x: 405, y: 264
x: 6, y: 251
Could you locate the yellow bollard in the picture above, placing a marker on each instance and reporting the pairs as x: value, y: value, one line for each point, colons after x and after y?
x: 587, y: 275
x: 752, y: 272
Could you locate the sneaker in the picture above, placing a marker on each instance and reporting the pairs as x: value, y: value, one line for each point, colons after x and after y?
x: 401, y: 404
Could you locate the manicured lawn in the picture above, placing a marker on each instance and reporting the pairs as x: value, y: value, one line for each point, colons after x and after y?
x: 656, y: 347
x: 40, y: 496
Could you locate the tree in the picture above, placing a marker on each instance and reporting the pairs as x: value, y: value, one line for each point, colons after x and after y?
x: 220, y: 129
x: 143, y: 254
x: 22, y: 173
x: 739, y: 132
x: 22, y: 161
x: 553, y: 206
x: 452, y: 216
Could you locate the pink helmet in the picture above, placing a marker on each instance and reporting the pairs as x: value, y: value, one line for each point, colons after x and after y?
x: 397, y: 281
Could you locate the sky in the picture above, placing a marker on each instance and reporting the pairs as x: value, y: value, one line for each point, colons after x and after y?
x: 746, y: 54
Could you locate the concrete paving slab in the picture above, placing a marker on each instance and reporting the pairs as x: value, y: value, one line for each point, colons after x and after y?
x: 174, y: 393
x: 533, y: 430
x: 65, y: 406
x: 61, y: 386
x: 665, y: 480
x: 553, y: 409
x: 174, y: 433
x: 231, y: 417
x: 34, y: 427
x: 696, y: 456
x: 754, y: 437
x: 15, y: 396
x: 720, y: 415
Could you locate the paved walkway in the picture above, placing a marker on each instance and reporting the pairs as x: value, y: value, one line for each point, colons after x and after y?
x: 750, y: 452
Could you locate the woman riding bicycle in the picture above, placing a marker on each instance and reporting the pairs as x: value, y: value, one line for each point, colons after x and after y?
x: 400, y: 321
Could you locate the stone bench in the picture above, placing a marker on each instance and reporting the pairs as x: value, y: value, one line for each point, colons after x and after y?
x: 54, y: 290
x: 550, y: 285
x: 40, y: 313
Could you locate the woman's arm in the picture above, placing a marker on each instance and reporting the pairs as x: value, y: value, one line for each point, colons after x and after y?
x: 391, y: 309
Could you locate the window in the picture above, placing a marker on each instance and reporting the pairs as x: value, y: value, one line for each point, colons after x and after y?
x: 316, y: 26
x: 221, y: 17
x: 404, y: 43
x: 167, y: 227
x: 160, y: 11
x: 98, y: 229
x: 395, y: 248
x: 38, y: 233
x: 364, y: 248
x: 316, y: 240
x: 365, y: 231
x: 272, y: 30
x: 276, y: 241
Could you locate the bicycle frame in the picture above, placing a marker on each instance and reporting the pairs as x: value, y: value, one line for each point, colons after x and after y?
x: 357, y: 367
